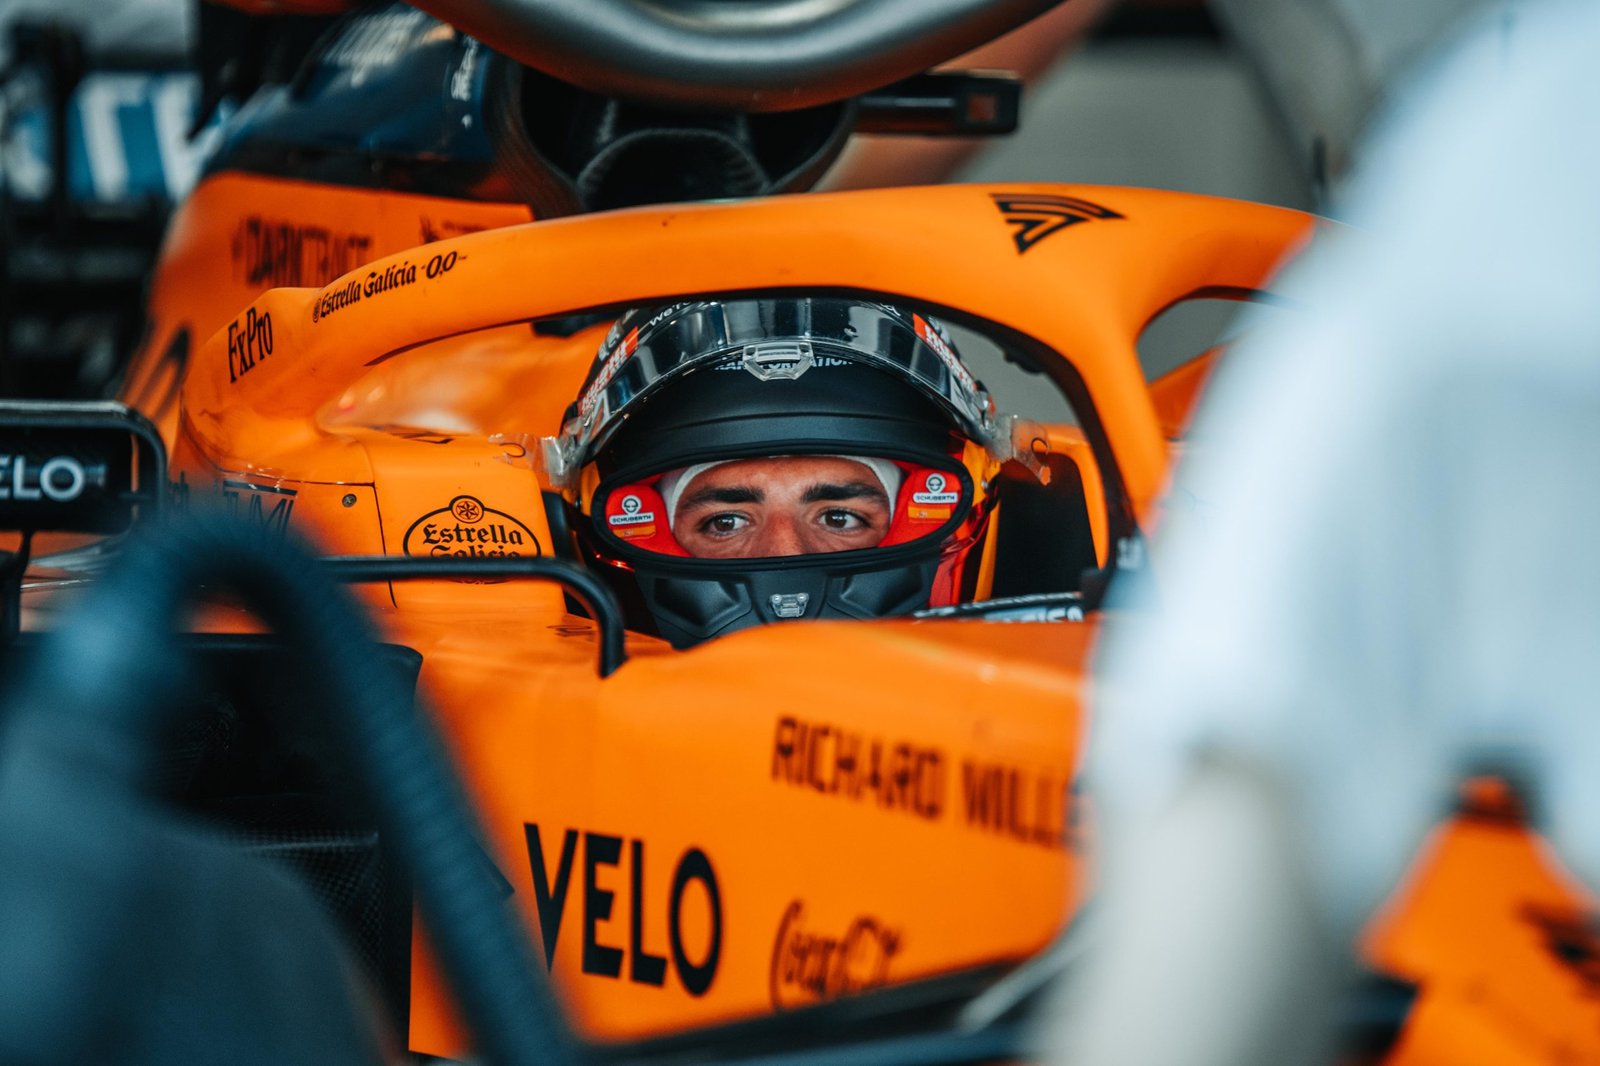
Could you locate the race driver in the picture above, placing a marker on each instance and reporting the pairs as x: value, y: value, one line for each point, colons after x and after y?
x: 782, y: 505
x: 731, y: 463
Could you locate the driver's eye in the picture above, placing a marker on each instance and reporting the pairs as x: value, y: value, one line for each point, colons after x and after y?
x: 723, y: 525
x: 841, y: 520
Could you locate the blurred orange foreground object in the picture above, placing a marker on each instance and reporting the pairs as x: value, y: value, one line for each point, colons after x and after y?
x: 1500, y: 940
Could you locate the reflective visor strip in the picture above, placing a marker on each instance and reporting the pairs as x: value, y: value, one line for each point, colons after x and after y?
x: 629, y: 369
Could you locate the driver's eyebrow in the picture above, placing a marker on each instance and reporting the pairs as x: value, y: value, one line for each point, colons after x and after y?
x: 834, y: 492
x: 719, y: 494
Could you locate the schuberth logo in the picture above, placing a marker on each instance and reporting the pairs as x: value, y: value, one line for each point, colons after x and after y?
x: 1036, y: 216
x: 395, y: 276
x: 632, y: 513
x: 467, y: 529
x: 933, y: 491
x: 629, y: 518
x: 932, y: 503
x: 810, y: 967
x: 270, y: 253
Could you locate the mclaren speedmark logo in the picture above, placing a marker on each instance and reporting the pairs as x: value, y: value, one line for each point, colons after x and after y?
x: 1035, y: 216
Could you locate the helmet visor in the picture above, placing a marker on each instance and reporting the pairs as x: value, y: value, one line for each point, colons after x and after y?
x: 772, y: 340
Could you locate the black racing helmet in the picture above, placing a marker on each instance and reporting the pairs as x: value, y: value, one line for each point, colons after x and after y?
x: 758, y: 460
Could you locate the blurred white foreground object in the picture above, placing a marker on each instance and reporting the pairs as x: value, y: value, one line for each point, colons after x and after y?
x: 1327, y: 64
x: 1382, y: 567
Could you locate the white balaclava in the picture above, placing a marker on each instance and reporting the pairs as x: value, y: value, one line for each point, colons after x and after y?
x: 674, y: 482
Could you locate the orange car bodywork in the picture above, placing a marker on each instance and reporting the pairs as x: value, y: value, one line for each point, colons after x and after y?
x: 1500, y: 940
x: 775, y: 818
x: 772, y: 819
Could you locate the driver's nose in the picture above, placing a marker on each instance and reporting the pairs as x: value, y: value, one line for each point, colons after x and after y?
x: 780, y: 535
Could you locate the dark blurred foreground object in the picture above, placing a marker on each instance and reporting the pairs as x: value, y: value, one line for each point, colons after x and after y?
x: 129, y: 933
x: 129, y: 936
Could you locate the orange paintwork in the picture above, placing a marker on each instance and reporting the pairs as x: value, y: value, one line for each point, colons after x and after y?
x: 395, y: 422
x: 705, y: 750
x: 1175, y: 392
x: 895, y: 242
x: 237, y: 236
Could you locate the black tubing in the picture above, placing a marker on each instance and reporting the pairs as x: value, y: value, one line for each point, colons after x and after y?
x: 103, y: 687
x: 600, y: 601
x: 734, y: 55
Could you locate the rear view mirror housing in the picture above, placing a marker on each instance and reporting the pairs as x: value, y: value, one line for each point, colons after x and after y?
x: 78, y: 466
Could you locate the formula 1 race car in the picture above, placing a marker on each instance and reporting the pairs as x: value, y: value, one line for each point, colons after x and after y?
x: 793, y: 835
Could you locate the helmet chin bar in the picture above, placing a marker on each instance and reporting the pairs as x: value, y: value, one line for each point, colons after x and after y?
x: 689, y: 609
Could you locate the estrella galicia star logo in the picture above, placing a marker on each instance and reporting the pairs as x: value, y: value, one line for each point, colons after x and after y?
x: 1035, y: 216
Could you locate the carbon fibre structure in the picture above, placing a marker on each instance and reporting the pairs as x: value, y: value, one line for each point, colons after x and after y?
x: 364, y: 109
x: 745, y: 57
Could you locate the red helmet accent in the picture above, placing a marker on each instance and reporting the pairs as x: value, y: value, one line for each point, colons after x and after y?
x: 928, y: 499
x: 637, y: 514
